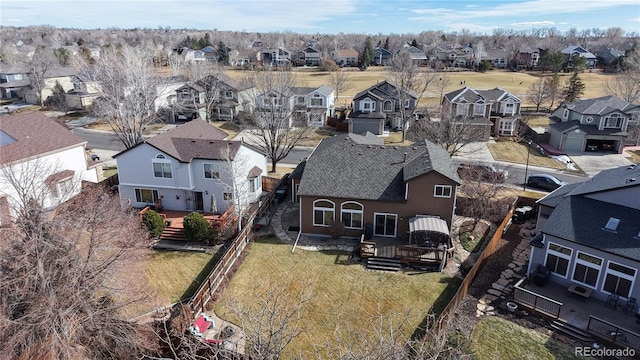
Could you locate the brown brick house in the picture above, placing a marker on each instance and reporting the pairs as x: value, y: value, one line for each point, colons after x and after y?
x: 363, y: 183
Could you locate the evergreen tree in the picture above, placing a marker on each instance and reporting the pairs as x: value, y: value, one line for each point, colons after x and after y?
x: 223, y: 53
x: 574, y: 90
x: 414, y: 43
x: 367, y: 54
x: 386, y: 43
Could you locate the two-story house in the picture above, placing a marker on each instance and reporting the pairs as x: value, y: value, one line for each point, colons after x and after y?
x: 309, y: 56
x: 345, y: 57
x: 40, y: 159
x: 214, y: 98
x: 84, y: 92
x: 592, y: 124
x: 276, y: 57
x: 571, y: 51
x: 381, y: 56
x: 239, y: 57
x: 589, y: 234
x: 314, y: 105
x: 359, y: 181
x: 377, y: 109
x: 191, y: 168
x: 417, y: 56
x: 493, y: 111
x: 14, y: 80
x: 527, y: 57
x: 55, y: 75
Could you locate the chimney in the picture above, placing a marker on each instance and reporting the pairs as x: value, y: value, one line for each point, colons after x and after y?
x: 405, y: 158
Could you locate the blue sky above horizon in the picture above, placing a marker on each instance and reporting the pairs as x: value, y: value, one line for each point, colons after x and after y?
x: 326, y: 16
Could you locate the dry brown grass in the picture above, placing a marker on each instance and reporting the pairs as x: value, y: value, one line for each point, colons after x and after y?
x: 634, y: 156
x: 510, y: 151
x: 537, y: 121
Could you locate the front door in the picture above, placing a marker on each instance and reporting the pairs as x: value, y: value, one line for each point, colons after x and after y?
x: 385, y: 224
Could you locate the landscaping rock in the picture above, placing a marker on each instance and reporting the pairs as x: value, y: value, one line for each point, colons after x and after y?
x: 494, y: 292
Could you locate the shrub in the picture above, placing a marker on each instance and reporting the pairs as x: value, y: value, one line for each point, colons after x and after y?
x: 485, y: 65
x: 154, y: 222
x: 328, y: 65
x: 336, y: 229
x: 196, y: 227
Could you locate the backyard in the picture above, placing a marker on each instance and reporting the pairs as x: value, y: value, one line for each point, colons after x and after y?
x: 345, y: 298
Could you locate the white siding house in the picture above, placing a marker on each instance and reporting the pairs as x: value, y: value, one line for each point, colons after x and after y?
x: 39, y: 159
x: 191, y: 168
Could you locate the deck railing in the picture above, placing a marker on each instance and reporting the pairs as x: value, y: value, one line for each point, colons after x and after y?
x: 535, y: 301
x: 612, y: 333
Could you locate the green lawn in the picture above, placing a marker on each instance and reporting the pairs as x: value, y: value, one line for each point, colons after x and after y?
x: 497, y: 338
x: 514, y: 152
x: 176, y: 274
x: 346, y: 298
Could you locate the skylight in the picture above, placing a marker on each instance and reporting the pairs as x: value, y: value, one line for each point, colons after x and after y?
x: 612, y: 224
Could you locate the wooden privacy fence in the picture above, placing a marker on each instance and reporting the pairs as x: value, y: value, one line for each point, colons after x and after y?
x: 220, y: 273
x: 457, y: 299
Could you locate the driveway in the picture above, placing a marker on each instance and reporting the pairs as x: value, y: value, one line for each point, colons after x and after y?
x: 594, y: 162
x: 475, y: 152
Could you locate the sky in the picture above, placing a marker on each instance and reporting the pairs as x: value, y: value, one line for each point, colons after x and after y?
x: 326, y: 16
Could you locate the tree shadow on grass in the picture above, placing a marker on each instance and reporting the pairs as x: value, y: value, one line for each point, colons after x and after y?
x: 453, y: 283
x: 202, y: 275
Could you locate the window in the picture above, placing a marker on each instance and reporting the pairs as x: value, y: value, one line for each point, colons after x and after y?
x: 212, y: 171
x: 589, y: 120
x: 227, y: 196
x: 442, y: 191
x: 368, y: 105
x: 565, y: 114
x: 385, y: 224
x: 161, y: 167
x: 587, y: 269
x: 558, y: 258
x: 509, y: 108
x: 351, y: 215
x: 462, y: 109
x: 146, y: 196
x: 613, y: 121
x: 316, y: 100
x: 255, y: 184
x: 323, y: 212
x: 228, y: 94
x: 612, y: 224
x: 478, y: 109
x: 407, y: 103
x: 387, y: 106
x: 619, y: 279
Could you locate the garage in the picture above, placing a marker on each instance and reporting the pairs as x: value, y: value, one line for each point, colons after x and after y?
x: 574, y: 142
x: 601, y: 145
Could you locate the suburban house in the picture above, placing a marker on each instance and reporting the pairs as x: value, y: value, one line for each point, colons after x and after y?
x: 572, y: 51
x: 589, y: 235
x: 45, y: 158
x: 191, y: 168
x: 191, y: 55
x: 449, y: 57
x: 345, y: 57
x: 608, y: 58
x: 314, y: 105
x: 14, y: 80
x: 527, y: 58
x: 276, y: 57
x: 83, y: 93
x: 493, y: 111
x: 370, y: 187
x: 62, y: 75
x: 226, y: 97
x: 242, y: 57
x: 210, y: 53
x: 499, y: 58
x: 381, y: 56
x: 166, y: 91
x: 593, y: 124
x: 377, y: 109
x: 309, y: 56
x: 417, y: 56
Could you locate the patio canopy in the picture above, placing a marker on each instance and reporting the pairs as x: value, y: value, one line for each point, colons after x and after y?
x: 428, y: 223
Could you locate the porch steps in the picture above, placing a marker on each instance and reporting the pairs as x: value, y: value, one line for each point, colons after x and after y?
x: 173, y: 233
x: 568, y: 329
x: 383, y: 263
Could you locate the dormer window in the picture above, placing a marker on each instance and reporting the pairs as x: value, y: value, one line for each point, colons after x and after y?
x: 612, y: 224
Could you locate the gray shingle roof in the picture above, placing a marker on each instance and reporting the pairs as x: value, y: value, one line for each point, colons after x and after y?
x: 565, y: 126
x: 599, y: 106
x: 383, y: 90
x: 579, y: 217
x: 345, y: 168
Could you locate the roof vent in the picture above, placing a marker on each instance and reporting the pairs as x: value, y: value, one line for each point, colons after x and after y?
x: 631, y: 167
x: 630, y: 180
x: 193, y: 141
x: 405, y: 157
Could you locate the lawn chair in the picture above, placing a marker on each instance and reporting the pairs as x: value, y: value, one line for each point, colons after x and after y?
x: 612, y: 300
x: 631, y: 305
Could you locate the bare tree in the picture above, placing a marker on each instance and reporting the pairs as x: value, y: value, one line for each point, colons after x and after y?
x: 273, y: 317
x: 60, y: 299
x: 441, y: 85
x: 410, y: 81
x: 274, y: 114
x: 451, y: 132
x: 127, y: 91
x: 480, y: 186
x: 234, y: 171
x: 37, y: 67
x: 626, y: 85
x: 340, y: 82
x: 538, y: 93
x: 176, y: 63
x: 552, y: 88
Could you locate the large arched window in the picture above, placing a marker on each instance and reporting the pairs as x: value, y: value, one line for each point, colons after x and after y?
x: 351, y: 214
x: 388, y: 105
x: 161, y: 167
x: 367, y: 105
x: 323, y: 212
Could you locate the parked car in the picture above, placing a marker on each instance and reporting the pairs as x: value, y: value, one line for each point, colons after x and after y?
x: 482, y: 172
x: 544, y: 181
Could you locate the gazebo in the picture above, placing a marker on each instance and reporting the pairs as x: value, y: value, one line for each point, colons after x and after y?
x: 428, y: 231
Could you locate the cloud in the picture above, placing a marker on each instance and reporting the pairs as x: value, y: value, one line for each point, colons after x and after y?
x: 528, y: 24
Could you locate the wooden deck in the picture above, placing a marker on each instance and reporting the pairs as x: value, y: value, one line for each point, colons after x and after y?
x: 400, y: 249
